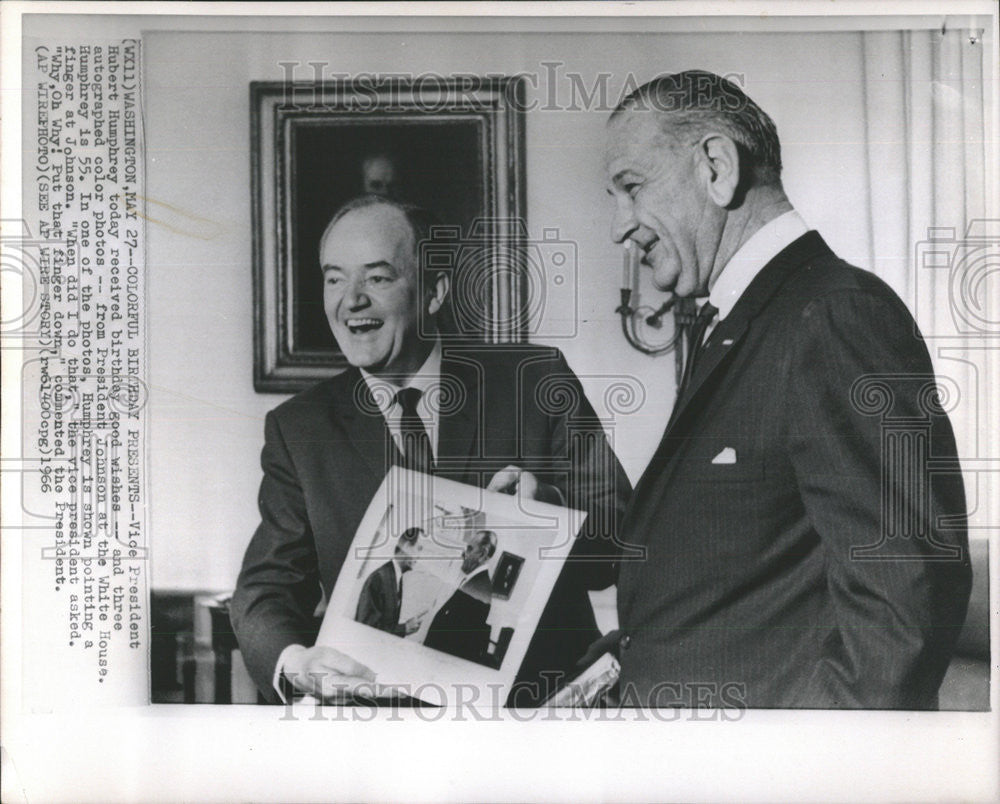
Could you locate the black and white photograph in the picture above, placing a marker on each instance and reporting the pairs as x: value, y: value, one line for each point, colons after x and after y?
x: 544, y: 401
x: 431, y: 578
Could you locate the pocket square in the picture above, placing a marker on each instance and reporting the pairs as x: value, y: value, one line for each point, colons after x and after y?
x: 728, y: 455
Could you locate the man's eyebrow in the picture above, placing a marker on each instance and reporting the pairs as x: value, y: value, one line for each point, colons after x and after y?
x: 616, y: 179
x: 367, y: 266
x: 621, y: 173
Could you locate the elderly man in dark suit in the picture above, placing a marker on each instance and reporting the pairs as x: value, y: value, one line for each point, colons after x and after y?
x: 381, y: 595
x: 459, y: 627
x: 801, y: 552
x: 327, y: 451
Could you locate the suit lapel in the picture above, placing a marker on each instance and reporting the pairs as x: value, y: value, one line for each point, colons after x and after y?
x: 721, y: 346
x: 460, y: 414
x: 722, y: 342
x: 363, y: 423
x: 726, y: 337
x: 395, y: 598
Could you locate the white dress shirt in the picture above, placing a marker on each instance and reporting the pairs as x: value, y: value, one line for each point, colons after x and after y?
x: 748, y: 261
x: 398, y: 575
x: 426, y: 379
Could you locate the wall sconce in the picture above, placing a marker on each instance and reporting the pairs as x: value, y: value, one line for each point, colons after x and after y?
x: 636, y: 322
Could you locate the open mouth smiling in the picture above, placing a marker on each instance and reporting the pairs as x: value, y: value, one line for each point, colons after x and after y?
x: 647, y: 249
x: 359, y: 326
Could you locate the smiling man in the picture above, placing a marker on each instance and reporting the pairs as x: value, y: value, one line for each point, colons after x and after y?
x: 372, y: 293
x: 381, y: 597
x: 793, y: 559
x: 327, y: 451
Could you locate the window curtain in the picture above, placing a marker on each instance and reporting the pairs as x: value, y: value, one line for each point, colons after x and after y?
x: 931, y: 240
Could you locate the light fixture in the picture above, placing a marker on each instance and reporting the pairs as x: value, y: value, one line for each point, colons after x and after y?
x: 638, y: 322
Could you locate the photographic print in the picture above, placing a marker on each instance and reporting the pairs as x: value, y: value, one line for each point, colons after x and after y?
x: 444, y: 583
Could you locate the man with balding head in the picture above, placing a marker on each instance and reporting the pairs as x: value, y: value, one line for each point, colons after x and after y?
x: 459, y: 627
x: 328, y: 449
x: 798, y: 555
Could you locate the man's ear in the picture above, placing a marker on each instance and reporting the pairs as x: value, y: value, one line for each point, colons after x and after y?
x: 437, y: 292
x: 720, y: 166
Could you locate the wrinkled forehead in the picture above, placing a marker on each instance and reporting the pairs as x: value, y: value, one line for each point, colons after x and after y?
x: 378, y: 233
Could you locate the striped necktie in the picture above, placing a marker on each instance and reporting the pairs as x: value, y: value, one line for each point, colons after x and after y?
x: 705, y: 316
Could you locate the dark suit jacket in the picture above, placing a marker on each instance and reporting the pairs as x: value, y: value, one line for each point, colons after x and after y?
x: 826, y: 567
x: 379, y: 602
x: 459, y: 627
x: 327, y: 451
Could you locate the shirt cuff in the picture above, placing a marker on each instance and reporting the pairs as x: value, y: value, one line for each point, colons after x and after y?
x: 282, y: 685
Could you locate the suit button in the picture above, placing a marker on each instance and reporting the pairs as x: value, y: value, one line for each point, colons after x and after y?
x: 624, y: 642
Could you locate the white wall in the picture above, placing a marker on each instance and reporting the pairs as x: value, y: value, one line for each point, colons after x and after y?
x: 206, y: 418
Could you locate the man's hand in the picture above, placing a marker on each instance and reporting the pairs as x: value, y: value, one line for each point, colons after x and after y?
x: 326, y: 673
x: 513, y: 480
x: 413, y: 624
x: 606, y: 644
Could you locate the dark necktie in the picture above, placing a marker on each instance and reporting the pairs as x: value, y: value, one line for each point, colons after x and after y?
x: 701, y: 323
x: 417, y: 453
